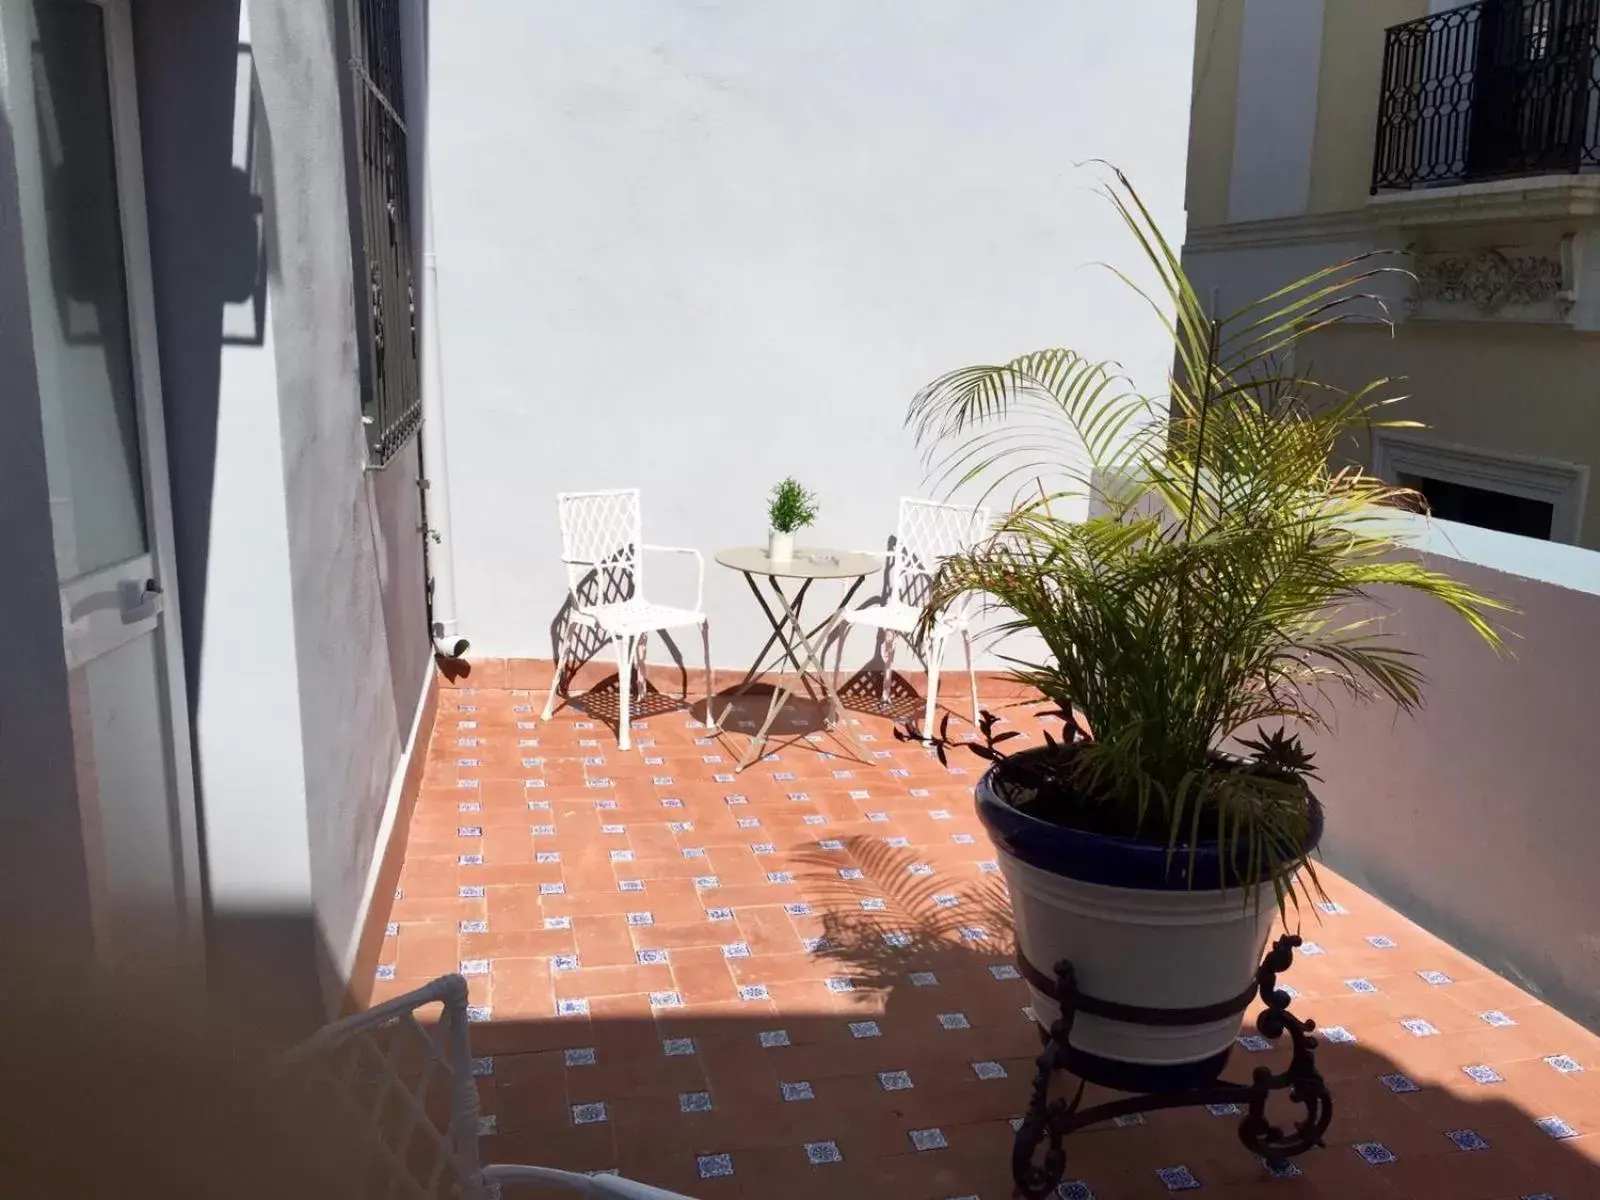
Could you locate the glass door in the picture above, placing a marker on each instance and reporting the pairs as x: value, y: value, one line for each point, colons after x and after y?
x: 67, y: 76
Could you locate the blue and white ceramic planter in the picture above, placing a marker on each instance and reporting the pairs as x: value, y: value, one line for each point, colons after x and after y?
x: 1141, y: 932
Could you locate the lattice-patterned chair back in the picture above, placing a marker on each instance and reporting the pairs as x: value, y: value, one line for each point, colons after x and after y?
x: 927, y: 533
x: 601, y: 536
x: 408, y: 1082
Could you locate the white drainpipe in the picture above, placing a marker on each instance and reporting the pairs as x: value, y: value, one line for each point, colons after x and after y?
x: 441, y: 553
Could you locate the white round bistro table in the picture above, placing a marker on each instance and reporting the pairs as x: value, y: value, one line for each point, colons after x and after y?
x: 801, y: 647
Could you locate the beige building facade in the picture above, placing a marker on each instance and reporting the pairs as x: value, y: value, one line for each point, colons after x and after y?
x: 1465, y: 139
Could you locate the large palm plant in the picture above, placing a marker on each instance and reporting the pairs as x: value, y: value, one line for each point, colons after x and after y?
x: 1224, y: 579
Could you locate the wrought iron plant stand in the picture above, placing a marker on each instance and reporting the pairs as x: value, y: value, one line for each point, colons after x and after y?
x: 1051, y: 1120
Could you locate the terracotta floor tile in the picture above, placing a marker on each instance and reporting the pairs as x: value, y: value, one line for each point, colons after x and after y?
x: 678, y: 1058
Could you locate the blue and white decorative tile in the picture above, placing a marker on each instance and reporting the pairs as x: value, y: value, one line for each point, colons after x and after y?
x: 845, y: 775
x: 707, y: 883
x: 483, y: 1068
x: 897, y: 940
x: 651, y: 958
x: 1381, y: 941
x: 385, y: 971
x: 478, y: 1014
x: 718, y: 915
x: 1434, y: 978
x: 694, y: 1102
x: 479, y: 926
x: 989, y: 867
x: 693, y: 851
x: 543, y: 831
x: 1254, y: 1043
x: 392, y: 929
x: 1555, y: 1127
x: 641, y: 918
x: 797, y: 796
x: 761, y: 848
x: 813, y: 819
x: 1564, y: 1063
x: 1284, y: 1169
x: 671, y: 802
x: 895, y: 1081
x: 923, y: 979
x: 735, y: 799
x: 878, y: 818
x: 1483, y: 1073
x: 714, y: 1166
x: 748, y: 822
x: 1224, y: 1110
x: 1128, y: 1120
x: 989, y: 1069
x: 736, y: 950
x: 1496, y: 1019
x: 677, y: 1047
x: 722, y: 777
x: 974, y: 933
x: 830, y: 844
x: 1004, y: 971
x: 954, y: 1020
x: 941, y: 814
x: 754, y: 991
x: 579, y: 1056
x: 1364, y: 987
x: 783, y: 776
x: 839, y: 984
x: 897, y: 843
x: 771, y: 1038
x: 564, y: 962
x: 1071, y: 1189
x: 553, y: 889
x: 1374, y: 1153
x: 919, y: 793
x: 929, y: 1139
x: 1177, y: 1179
x: 920, y: 869
x: 1336, y: 1035
x: 849, y: 873
x: 488, y: 1125
x: 1399, y: 1084
x: 622, y: 856
x: 469, y: 860
x: 946, y: 900
x: 865, y: 1029
x: 665, y: 1000
x: 1311, y: 949
x: 547, y: 857
x: 794, y: 1092
x: 630, y: 885
x: 572, y: 1008
x: 780, y: 877
x: 1417, y: 1027
x: 469, y: 806
x: 963, y: 839
x: 1467, y: 1139
x: 818, y: 1153
x: 874, y: 904
x: 798, y: 909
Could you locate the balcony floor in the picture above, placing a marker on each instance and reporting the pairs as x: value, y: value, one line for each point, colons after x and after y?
x: 664, y: 1071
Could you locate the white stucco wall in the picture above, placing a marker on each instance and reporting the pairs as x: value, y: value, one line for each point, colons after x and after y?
x: 1475, y: 817
x: 1280, y: 48
x: 697, y: 246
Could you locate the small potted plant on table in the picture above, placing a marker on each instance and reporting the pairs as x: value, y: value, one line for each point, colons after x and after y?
x: 1216, y: 597
x: 790, y: 507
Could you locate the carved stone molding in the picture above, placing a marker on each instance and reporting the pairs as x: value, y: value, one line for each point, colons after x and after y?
x: 1509, y: 282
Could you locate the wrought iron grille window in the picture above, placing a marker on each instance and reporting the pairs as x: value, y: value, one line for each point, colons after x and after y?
x: 1496, y: 89
x: 386, y: 309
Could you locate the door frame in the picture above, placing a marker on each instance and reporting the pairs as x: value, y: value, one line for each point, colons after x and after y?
x: 128, y: 156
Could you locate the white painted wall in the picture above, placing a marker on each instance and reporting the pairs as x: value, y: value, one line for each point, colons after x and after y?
x: 1275, y: 123
x: 697, y: 246
x: 1476, y: 816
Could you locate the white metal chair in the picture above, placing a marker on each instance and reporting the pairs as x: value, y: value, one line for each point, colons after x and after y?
x: 603, y: 550
x: 927, y: 532
x: 410, y: 1087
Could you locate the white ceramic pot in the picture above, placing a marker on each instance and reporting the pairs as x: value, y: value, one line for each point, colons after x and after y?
x: 1166, y: 947
x: 780, y: 546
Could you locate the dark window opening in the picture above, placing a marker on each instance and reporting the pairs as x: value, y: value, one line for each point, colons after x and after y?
x: 381, y: 238
x: 1483, y: 507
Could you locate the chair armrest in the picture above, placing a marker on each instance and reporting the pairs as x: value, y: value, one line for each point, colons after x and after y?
x: 700, y: 565
x: 588, y: 1185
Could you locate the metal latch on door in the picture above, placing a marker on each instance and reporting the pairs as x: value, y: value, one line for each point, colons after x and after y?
x: 138, y: 599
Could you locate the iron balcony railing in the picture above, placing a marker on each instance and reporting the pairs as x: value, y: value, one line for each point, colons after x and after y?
x: 1492, y: 90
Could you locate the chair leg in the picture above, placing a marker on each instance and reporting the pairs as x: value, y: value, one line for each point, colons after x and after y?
x: 563, y: 652
x: 972, y: 675
x: 935, y: 654
x: 639, y: 664
x: 838, y: 653
x: 625, y: 652
x: 888, y: 662
x: 711, y: 678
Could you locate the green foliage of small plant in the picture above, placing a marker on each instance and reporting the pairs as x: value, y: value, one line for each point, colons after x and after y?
x: 791, y: 507
x: 1225, y: 579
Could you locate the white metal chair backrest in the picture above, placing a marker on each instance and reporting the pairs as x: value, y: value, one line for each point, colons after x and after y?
x: 410, y: 1086
x: 928, y: 532
x: 601, y: 534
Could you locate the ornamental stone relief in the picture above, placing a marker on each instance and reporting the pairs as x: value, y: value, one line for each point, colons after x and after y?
x: 1488, y: 279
